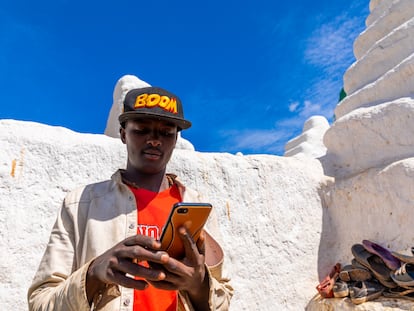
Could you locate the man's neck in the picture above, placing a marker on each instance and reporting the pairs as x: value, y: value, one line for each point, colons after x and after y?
x: 153, y: 182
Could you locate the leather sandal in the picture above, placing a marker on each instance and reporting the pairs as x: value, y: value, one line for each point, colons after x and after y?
x: 325, y: 288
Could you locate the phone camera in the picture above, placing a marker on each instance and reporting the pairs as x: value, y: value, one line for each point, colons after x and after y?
x: 182, y: 210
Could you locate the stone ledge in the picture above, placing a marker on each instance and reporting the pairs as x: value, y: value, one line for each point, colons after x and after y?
x: 384, y: 55
x: 358, y: 141
x: 345, y: 304
x: 395, y: 83
x: 394, y: 14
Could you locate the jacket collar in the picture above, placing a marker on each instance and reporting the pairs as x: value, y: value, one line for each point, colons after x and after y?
x: 117, y: 178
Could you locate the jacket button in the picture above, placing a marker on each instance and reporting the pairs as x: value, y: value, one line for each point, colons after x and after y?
x: 131, y: 226
x: 127, y: 302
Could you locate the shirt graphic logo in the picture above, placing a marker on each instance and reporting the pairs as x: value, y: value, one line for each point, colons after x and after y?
x: 149, y: 230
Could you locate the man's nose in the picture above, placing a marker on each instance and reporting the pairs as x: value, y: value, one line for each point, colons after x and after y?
x: 154, y: 142
x: 153, y: 138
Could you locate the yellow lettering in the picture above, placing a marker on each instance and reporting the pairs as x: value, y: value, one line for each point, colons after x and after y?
x: 140, y: 101
x: 164, y: 101
x: 172, y: 106
x: 153, y: 100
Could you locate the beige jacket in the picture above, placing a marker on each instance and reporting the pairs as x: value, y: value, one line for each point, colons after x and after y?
x: 93, y: 219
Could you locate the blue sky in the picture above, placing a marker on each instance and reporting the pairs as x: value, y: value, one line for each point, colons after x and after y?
x: 248, y: 72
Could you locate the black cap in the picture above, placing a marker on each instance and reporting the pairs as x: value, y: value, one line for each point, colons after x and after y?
x: 153, y: 102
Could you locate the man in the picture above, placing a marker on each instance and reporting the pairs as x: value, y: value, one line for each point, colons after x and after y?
x: 103, y: 252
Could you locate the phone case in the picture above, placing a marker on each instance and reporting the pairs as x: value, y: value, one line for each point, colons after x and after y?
x: 194, y: 215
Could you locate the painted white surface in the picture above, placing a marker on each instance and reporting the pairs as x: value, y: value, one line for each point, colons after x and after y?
x: 122, y: 87
x: 370, y: 147
x: 310, y: 141
x: 371, y: 137
x: 381, y: 57
x: 385, y: 17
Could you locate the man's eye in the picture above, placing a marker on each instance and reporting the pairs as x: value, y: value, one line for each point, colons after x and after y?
x: 140, y: 131
x: 167, y: 133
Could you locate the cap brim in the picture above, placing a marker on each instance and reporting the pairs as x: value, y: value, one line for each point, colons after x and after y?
x: 133, y: 115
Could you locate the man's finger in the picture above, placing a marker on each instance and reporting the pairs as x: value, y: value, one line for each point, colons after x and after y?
x: 128, y: 267
x: 192, y: 251
x: 125, y: 281
x: 138, y: 253
x: 142, y: 240
x: 200, y: 243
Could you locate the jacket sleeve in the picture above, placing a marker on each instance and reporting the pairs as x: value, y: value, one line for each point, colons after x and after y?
x: 56, y: 286
x: 220, y: 295
x: 60, y: 282
x: 220, y: 289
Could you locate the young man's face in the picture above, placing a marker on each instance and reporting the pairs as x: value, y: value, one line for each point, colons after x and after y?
x: 150, y: 144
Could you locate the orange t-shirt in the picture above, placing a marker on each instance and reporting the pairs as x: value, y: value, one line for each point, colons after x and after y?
x: 153, y: 211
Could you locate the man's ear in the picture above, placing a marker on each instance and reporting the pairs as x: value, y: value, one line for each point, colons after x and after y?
x: 122, y: 134
x: 177, y: 135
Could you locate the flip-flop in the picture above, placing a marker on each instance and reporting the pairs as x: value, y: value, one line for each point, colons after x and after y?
x: 403, y: 258
x: 325, y: 288
x: 356, y: 264
x: 354, y: 273
x: 392, y: 262
x: 404, y: 276
x: 399, y: 292
x: 375, y: 264
x: 364, y: 291
x: 341, y: 288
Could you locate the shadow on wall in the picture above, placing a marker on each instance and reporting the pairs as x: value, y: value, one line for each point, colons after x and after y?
x: 327, y: 252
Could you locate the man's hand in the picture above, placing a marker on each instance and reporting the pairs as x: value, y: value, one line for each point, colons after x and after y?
x: 188, y: 274
x: 113, y: 266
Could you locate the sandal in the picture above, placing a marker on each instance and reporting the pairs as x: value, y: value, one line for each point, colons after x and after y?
x: 375, y: 264
x: 354, y: 273
x: 399, y: 292
x: 364, y: 291
x: 341, y: 288
x: 403, y: 257
x: 390, y: 261
x: 404, y: 276
x: 325, y: 288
